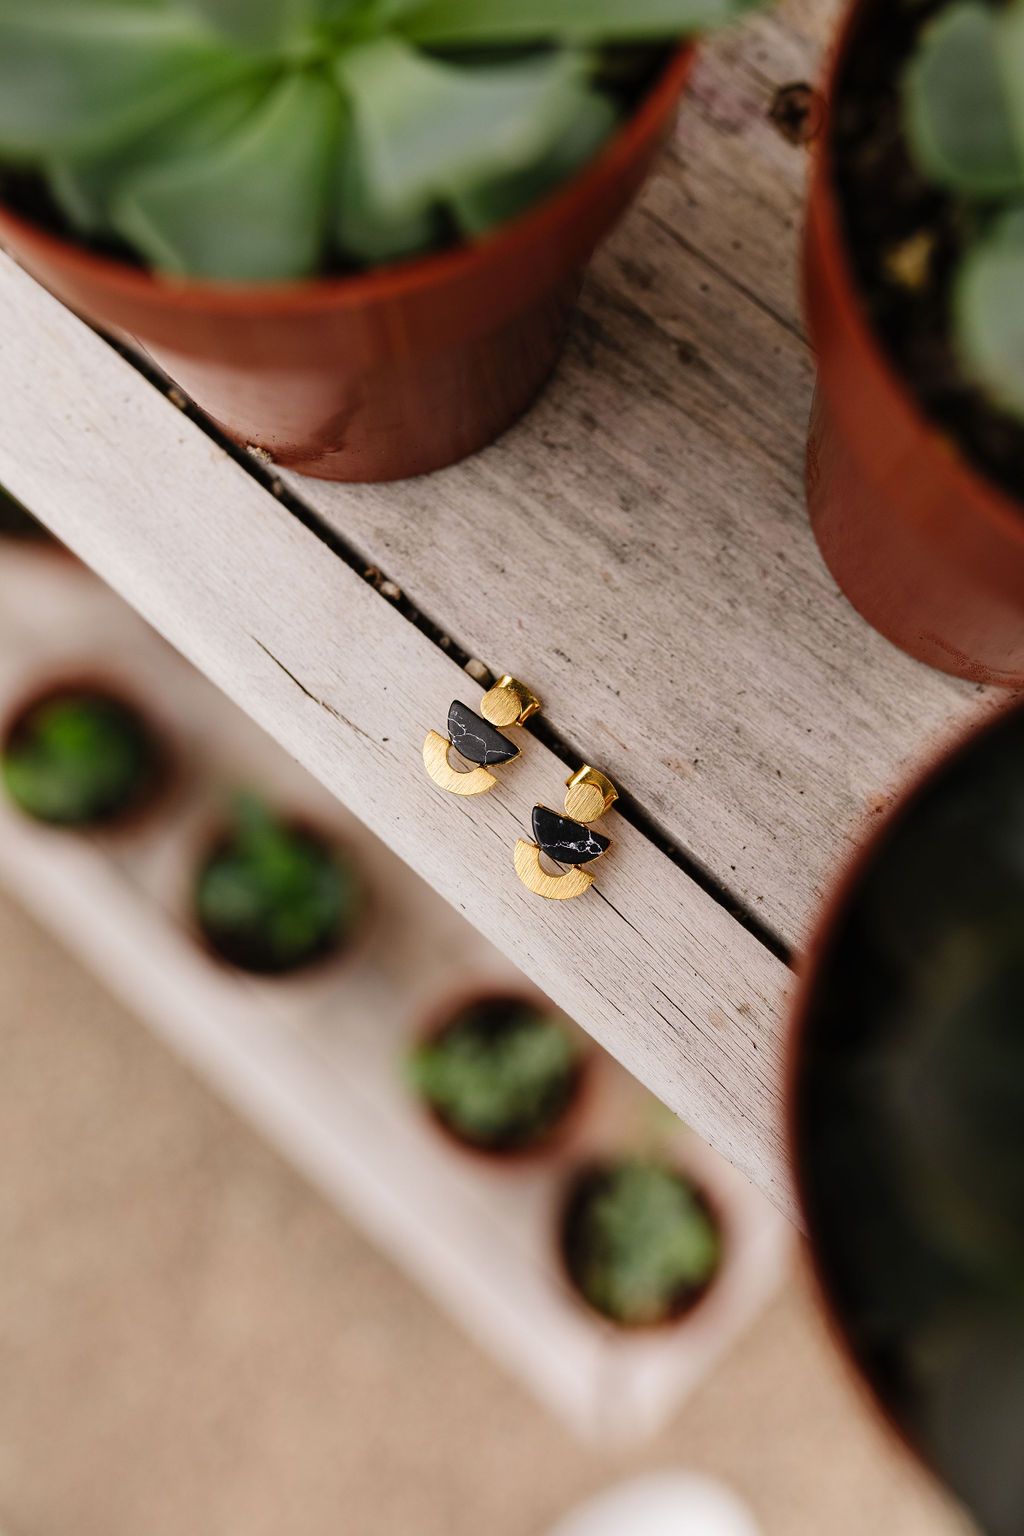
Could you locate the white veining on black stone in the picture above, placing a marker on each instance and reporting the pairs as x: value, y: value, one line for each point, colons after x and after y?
x: 567, y: 841
x: 476, y: 740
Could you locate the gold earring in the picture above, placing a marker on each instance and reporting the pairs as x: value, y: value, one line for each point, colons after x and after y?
x: 479, y: 739
x: 567, y: 839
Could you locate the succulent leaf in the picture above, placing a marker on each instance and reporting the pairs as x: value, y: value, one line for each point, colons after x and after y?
x: 500, y: 1074
x: 451, y: 22
x: 84, y: 187
x: 251, y: 210
x: 645, y: 1240
x: 269, y: 24
x: 366, y: 229
x: 989, y: 312
x: 589, y: 124
x: 429, y: 129
x: 81, y: 76
x: 959, y: 121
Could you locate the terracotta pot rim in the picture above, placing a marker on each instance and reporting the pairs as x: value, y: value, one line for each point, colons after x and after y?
x: 215, y: 833
x: 379, y: 285
x: 102, y: 682
x: 975, y: 487
x: 810, y: 973
x: 559, y: 1134
x: 601, y: 1162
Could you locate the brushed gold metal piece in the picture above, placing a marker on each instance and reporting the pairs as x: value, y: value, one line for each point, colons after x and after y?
x: 435, y: 759
x: 509, y: 703
x: 589, y: 794
x: 575, y: 882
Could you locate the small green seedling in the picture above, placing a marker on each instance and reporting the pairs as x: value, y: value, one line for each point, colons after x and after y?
x: 500, y: 1075
x: 271, y: 897
x: 78, y: 758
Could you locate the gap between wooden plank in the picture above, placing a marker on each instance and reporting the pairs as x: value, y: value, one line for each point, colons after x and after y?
x: 399, y: 598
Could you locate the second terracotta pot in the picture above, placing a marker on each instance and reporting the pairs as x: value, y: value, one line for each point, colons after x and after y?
x: 906, y: 1102
x: 924, y: 547
x: 390, y: 373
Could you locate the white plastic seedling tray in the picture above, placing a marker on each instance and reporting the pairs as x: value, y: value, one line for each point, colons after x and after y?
x: 317, y: 1064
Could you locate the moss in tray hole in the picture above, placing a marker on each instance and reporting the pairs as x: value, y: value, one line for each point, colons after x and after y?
x: 640, y: 1242
x: 79, y: 758
x: 272, y: 896
x: 500, y: 1075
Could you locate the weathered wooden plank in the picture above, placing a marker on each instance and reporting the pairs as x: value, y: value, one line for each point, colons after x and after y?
x: 662, y: 976
x: 639, y: 544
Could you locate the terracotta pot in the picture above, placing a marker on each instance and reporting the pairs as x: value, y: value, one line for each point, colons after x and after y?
x: 328, y: 959
x: 164, y: 773
x: 813, y: 991
x: 685, y: 1307
x: 560, y: 1136
x: 389, y: 373
x: 924, y: 547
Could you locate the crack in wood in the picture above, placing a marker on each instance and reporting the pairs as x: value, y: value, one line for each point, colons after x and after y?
x: 315, y: 698
x: 566, y: 751
x: 723, y: 274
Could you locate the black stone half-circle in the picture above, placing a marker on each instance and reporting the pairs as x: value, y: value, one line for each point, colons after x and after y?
x: 476, y: 740
x: 568, y: 841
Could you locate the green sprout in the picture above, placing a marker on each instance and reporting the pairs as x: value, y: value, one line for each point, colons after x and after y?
x: 268, y: 140
x: 500, y: 1074
x: 640, y: 1242
x: 964, y: 117
x: 271, y: 897
x: 78, y: 758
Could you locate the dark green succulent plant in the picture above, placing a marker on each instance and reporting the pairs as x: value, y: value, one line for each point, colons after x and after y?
x: 964, y: 117
x: 79, y: 757
x: 909, y: 1107
x: 271, y: 896
x: 260, y: 140
x: 500, y: 1074
x: 640, y: 1242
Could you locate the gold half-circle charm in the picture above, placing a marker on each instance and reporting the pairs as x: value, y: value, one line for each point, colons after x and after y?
x: 435, y: 759
x: 575, y: 882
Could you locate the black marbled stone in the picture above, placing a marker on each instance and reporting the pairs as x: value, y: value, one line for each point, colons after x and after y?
x: 568, y: 841
x: 477, y: 741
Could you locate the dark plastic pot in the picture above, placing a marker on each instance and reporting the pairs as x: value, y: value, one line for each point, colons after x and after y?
x: 386, y: 374
x: 850, y: 952
x: 924, y: 547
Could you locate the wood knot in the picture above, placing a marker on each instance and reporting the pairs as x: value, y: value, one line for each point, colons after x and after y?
x: 798, y: 112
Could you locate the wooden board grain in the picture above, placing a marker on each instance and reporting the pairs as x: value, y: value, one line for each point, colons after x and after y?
x: 638, y: 547
x: 636, y: 550
x: 318, y: 1061
x: 649, y: 963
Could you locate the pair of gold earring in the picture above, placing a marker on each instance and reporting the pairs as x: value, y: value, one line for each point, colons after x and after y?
x: 568, y: 839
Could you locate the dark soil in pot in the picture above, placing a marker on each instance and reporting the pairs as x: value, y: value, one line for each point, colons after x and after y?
x: 640, y: 1242
x: 908, y: 1105
x: 79, y: 756
x: 500, y: 1074
x: 905, y: 238
x: 273, y: 896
